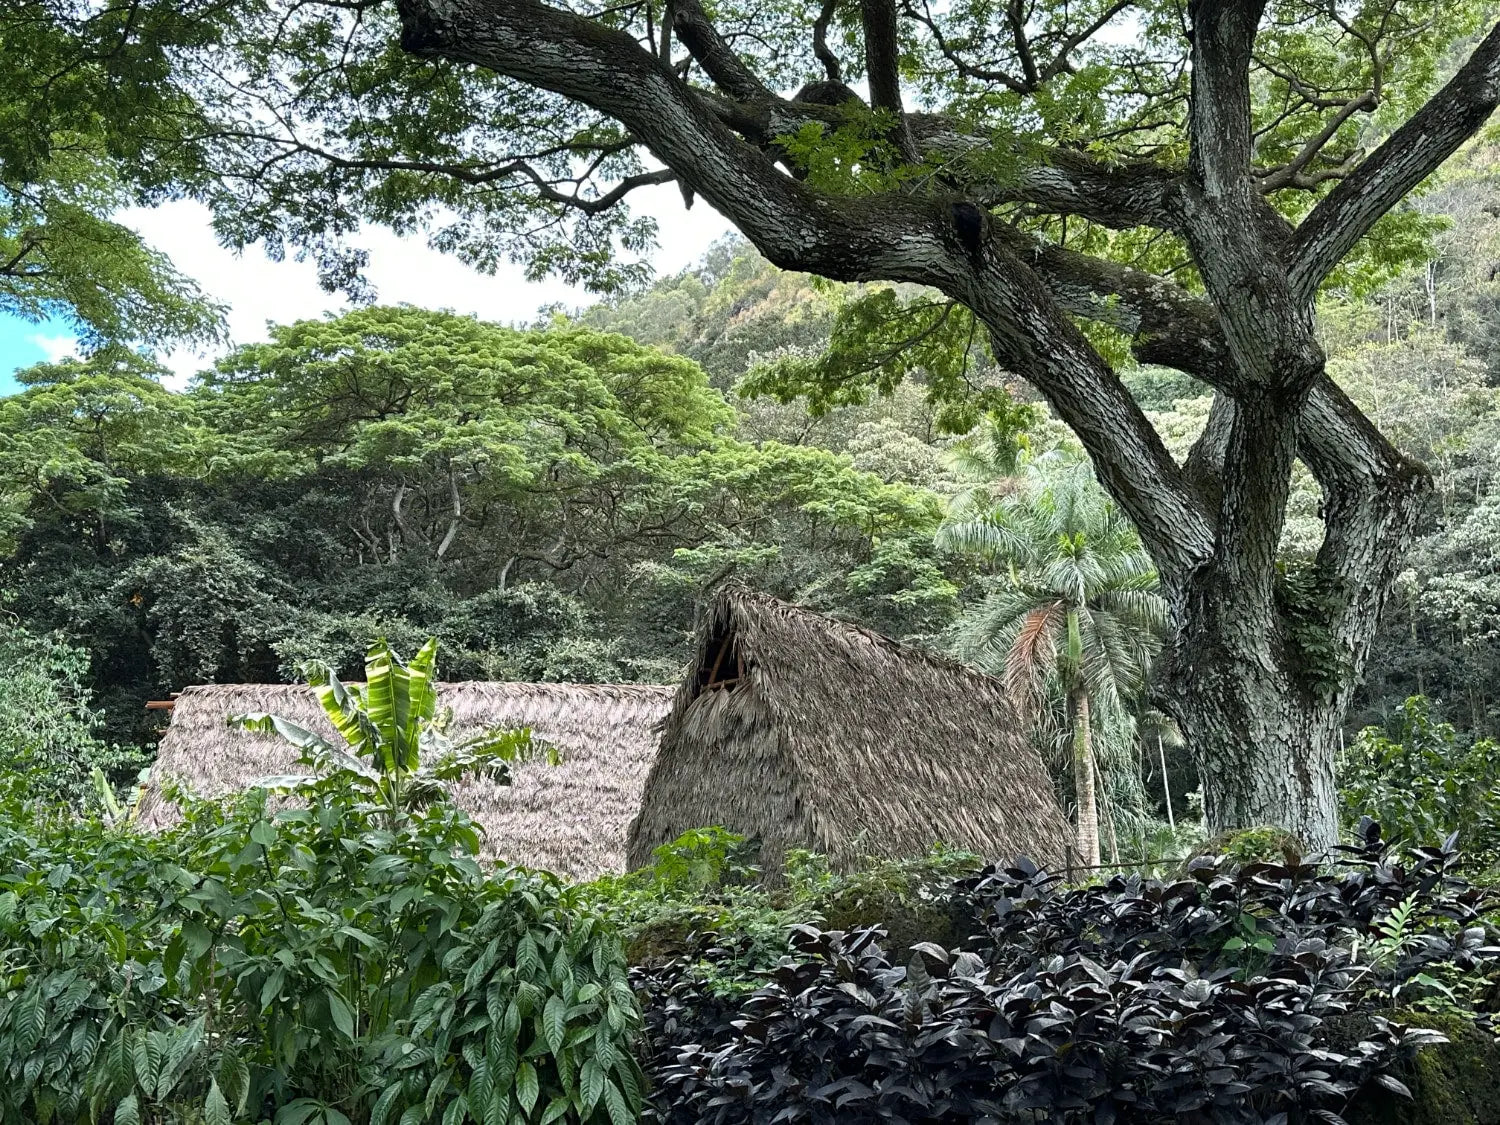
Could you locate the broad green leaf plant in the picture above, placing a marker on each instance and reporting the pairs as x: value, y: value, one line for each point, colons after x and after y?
x: 343, y: 960
x: 397, y: 747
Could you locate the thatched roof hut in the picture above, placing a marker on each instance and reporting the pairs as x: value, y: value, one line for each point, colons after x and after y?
x: 810, y: 733
x: 570, y: 818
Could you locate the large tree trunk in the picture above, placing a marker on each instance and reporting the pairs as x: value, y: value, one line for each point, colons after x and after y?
x: 1083, y: 778
x: 1260, y: 681
x: 1263, y: 746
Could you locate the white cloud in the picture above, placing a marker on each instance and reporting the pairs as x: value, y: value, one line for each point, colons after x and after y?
x: 259, y: 291
x: 55, y: 348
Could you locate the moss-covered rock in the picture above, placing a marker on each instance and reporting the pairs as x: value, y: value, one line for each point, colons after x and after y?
x: 905, y: 923
x: 1266, y: 844
x: 661, y: 941
x: 1455, y: 1083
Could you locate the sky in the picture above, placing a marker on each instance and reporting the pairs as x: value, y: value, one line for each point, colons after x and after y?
x: 258, y: 290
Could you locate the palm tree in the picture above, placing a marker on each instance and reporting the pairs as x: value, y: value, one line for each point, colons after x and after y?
x: 1072, y: 614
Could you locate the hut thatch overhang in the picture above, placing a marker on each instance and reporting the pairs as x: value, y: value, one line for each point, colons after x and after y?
x: 808, y: 732
x: 571, y: 818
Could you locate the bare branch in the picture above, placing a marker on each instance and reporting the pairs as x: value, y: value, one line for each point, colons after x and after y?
x: 667, y: 16
x: 882, y: 54
x: 1413, y: 152
x: 1016, y: 17
x: 964, y: 68
x: 831, y: 68
x: 1059, y: 62
x: 1291, y: 175
x: 473, y: 175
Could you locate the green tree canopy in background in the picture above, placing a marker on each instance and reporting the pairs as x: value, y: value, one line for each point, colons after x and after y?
x: 550, y: 503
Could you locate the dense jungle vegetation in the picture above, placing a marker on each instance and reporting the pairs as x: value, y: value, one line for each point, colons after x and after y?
x: 346, y: 958
x: 552, y: 501
x: 1145, y: 355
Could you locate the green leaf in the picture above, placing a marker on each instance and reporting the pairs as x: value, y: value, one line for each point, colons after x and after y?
x: 614, y: 1101
x: 271, y: 990
x: 215, y: 1108
x: 591, y: 1083
x: 298, y: 736
x: 127, y: 1112
x: 383, y: 1105
x: 183, y: 1046
x: 298, y: 1112
x: 343, y: 1015
x: 555, y: 1022
x: 528, y: 1087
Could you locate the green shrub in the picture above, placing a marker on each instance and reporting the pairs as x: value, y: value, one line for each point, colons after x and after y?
x: 306, y: 965
x: 341, y: 961
x: 702, y: 883
x: 1421, y: 782
x: 49, y: 728
x: 704, y: 890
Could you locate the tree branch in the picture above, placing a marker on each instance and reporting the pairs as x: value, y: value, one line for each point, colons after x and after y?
x: 1290, y: 175
x: 882, y: 54
x: 883, y: 70
x: 1234, y: 234
x: 1070, y: 183
x: 1372, y: 493
x: 1411, y: 154
x: 1204, y: 466
x: 893, y: 236
x: 831, y: 68
x: 1034, y: 76
x: 1219, y: 111
x: 718, y: 60
x: 481, y: 175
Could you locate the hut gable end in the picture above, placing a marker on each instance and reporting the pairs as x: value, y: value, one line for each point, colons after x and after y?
x: 841, y: 740
x: 723, y: 663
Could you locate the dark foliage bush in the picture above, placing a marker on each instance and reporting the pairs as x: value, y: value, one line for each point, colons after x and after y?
x: 1200, y: 1000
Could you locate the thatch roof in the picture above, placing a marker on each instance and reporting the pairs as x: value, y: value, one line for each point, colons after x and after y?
x: 811, y: 733
x: 570, y: 818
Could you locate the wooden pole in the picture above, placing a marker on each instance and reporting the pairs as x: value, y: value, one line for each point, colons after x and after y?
x: 1166, y: 786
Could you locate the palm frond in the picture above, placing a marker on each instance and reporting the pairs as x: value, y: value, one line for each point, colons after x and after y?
x: 984, y: 636
x: 1033, y: 652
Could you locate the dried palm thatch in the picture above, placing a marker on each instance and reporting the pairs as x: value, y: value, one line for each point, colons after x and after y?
x: 810, y: 733
x: 570, y: 818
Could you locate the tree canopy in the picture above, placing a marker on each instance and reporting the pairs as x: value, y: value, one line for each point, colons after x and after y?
x: 550, y: 503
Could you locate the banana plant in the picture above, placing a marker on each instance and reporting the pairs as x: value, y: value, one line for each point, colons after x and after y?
x: 396, y: 741
x: 117, y: 814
